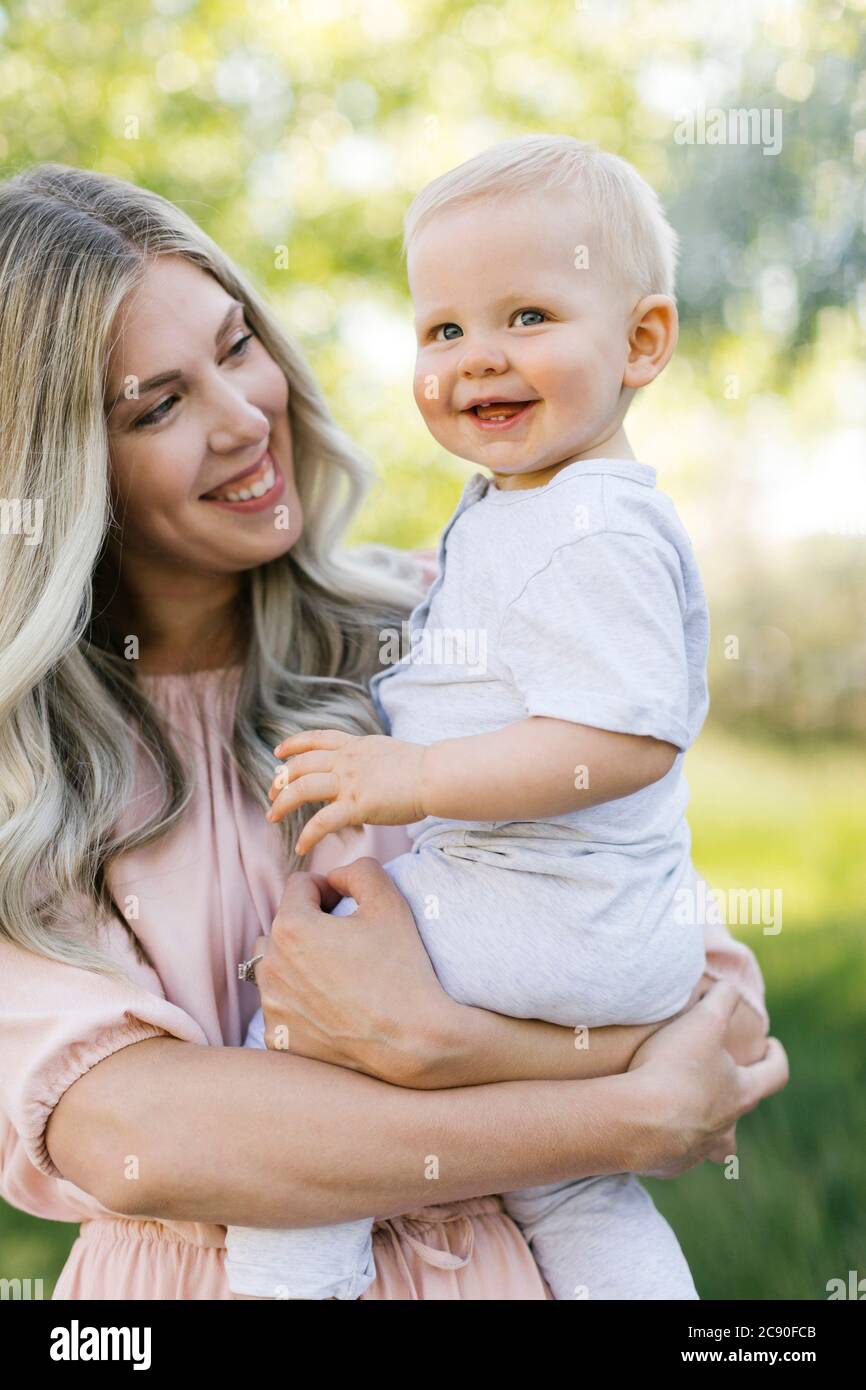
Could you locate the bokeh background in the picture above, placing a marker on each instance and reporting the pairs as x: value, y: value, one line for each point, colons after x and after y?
x: 296, y: 132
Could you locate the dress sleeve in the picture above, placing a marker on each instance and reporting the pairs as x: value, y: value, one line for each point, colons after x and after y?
x: 57, y: 1021
x: 597, y: 637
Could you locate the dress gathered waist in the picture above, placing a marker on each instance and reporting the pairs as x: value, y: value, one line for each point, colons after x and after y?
x: 415, y: 1225
x: 456, y: 1250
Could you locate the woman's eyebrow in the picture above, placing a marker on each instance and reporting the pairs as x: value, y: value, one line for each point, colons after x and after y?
x: 174, y: 373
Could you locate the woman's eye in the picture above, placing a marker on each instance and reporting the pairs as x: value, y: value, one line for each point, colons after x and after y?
x: 158, y: 413
x: 539, y: 314
x: 443, y: 328
x: 239, y: 348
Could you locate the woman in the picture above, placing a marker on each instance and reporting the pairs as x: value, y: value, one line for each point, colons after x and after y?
x: 184, y: 606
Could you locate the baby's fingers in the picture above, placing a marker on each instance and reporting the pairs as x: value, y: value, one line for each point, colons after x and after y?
x: 310, y: 739
x: 316, y: 786
x: 298, y: 766
x: 330, y: 818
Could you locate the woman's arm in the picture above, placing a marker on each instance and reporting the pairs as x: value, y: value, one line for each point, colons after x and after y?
x: 476, y: 1046
x: 360, y: 991
x: 246, y: 1137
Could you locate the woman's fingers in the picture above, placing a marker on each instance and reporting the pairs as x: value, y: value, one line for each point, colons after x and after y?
x: 700, y: 1028
x: 366, y: 881
x: 304, y: 892
x: 718, y: 1003
x: 724, y: 1147
x: 316, y: 786
x: 766, y: 1077
x: 310, y: 739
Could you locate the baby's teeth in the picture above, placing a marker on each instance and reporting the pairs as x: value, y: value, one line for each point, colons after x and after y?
x: 259, y: 489
x: 244, y: 495
x: 233, y: 497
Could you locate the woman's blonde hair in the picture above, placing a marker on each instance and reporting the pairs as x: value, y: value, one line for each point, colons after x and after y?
x: 73, y: 244
x: 614, y: 200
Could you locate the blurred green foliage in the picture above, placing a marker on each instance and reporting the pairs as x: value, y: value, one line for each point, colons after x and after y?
x: 302, y: 128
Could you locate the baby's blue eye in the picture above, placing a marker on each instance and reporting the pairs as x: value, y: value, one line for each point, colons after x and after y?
x: 443, y: 327
x: 539, y: 314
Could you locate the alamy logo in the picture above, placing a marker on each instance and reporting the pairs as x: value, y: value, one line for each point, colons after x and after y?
x: 22, y: 516
x: 21, y: 1289
x: 737, y: 125
x: 736, y: 907
x: 76, y: 1343
x: 436, y: 646
x: 855, y: 1288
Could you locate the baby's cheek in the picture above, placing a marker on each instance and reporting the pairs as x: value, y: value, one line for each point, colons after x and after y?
x: 428, y: 392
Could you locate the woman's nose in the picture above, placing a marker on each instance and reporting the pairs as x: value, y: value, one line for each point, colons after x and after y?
x: 235, y: 421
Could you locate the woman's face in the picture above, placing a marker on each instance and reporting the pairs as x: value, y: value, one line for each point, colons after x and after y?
x: 206, y: 421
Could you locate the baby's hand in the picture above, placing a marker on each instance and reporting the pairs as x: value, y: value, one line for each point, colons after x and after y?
x: 371, y: 780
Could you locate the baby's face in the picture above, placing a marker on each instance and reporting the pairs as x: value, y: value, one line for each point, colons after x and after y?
x: 503, y: 313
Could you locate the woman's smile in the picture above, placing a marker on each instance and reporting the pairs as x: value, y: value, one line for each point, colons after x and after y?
x: 252, y: 490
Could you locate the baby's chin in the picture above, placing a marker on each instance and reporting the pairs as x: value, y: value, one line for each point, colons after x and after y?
x: 506, y: 458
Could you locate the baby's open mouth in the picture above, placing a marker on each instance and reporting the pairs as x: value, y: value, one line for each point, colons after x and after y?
x: 499, y: 410
x: 500, y: 414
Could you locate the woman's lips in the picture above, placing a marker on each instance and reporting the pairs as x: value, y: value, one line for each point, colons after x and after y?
x: 252, y: 504
x: 499, y: 425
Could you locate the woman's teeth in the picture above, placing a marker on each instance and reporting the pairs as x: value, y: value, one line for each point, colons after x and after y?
x: 255, y: 486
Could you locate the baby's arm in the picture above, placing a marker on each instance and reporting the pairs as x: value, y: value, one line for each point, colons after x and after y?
x: 535, y: 768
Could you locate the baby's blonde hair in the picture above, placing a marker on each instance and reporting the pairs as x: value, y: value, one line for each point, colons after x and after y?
x: 640, y: 243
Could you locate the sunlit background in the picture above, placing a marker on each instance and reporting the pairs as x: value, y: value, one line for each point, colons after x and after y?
x: 297, y: 133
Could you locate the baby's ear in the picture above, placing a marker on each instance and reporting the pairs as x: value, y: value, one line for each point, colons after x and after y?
x: 653, y: 334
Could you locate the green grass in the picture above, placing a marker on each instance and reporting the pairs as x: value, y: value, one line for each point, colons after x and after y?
x: 33, y: 1249
x: 795, y: 1217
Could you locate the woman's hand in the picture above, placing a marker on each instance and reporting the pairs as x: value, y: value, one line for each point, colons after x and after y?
x: 745, y: 1036
x: 358, y: 991
x: 370, y: 780
x: 695, y: 1091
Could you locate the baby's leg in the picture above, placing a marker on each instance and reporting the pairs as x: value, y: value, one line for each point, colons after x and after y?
x: 316, y: 1262
x: 601, y: 1238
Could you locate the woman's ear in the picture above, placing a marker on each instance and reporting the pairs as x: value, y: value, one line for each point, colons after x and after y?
x: 652, y: 338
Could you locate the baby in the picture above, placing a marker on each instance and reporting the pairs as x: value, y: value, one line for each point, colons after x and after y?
x: 539, y: 729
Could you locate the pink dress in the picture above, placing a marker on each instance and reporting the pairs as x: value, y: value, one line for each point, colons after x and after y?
x: 198, y: 900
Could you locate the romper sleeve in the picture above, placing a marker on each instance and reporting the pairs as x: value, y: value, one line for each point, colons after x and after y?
x: 57, y: 1021
x: 597, y: 637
